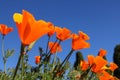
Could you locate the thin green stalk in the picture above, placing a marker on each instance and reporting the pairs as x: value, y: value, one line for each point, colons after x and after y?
x: 54, y: 61
x: 91, y: 76
x: 48, y: 54
x: 85, y: 74
x: 66, y: 59
x: 3, y: 54
x: 18, y: 63
x: 47, y: 44
x: 19, y: 60
x: 55, y: 55
x: 63, y: 63
x: 22, y: 62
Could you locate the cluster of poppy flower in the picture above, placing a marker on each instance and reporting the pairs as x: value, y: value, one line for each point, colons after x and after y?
x: 29, y: 27
x: 30, y: 30
x: 99, y: 65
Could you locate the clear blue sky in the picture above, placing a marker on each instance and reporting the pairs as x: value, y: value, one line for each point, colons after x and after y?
x: 100, y: 19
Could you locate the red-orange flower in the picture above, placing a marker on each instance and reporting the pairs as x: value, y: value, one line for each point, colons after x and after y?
x: 84, y: 65
x: 37, y: 59
x: 4, y: 29
x: 62, y: 33
x: 90, y: 59
x: 52, y: 29
x: 79, y: 41
x: 83, y: 36
x: 102, y: 52
x: 54, y: 47
x: 99, y: 64
x: 113, y: 66
x: 105, y: 76
x: 29, y: 29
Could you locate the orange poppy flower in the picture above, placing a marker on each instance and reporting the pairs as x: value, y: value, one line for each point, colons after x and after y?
x: 99, y: 64
x: 62, y: 33
x: 4, y: 29
x: 29, y: 29
x: 78, y: 42
x: 102, y: 52
x: 83, y: 36
x: 54, y: 47
x: 52, y: 29
x: 105, y: 76
x: 90, y: 59
x: 113, y: 66
x: 37, y: 59
x: 84, y: 65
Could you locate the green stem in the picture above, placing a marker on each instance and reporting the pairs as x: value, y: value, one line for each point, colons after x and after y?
x: 47, y: 44
x: 3, y: 54
x: 54, y: 61
x: 66, y: 59
x: 63, y: 63
x: 18, y: 63
x: 92, y: 74
x: 22, y: 73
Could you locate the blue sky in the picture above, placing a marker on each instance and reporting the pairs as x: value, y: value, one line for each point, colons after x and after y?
x: 100, y: 19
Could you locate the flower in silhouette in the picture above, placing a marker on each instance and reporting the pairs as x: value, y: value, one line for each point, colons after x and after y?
x: 29, y: 29
x: 5, y: 30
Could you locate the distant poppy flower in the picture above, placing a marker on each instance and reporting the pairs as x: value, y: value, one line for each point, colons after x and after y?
x: 105, y: 76
x: 84, y: 65
x: 5, y: 30
x: 62, y: 33
x: 90, y: 59
x: 54, y: 47
x: 102, y: 52
x: 99, y: 63
x: 29, y: 29
x: 37, y: 59
x: 79, y: 42
x: 83, y: 36
x: 113, y: 66
x: 52, y: 29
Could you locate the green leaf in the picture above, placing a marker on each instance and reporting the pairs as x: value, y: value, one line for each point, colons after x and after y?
x: 9, y: 53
